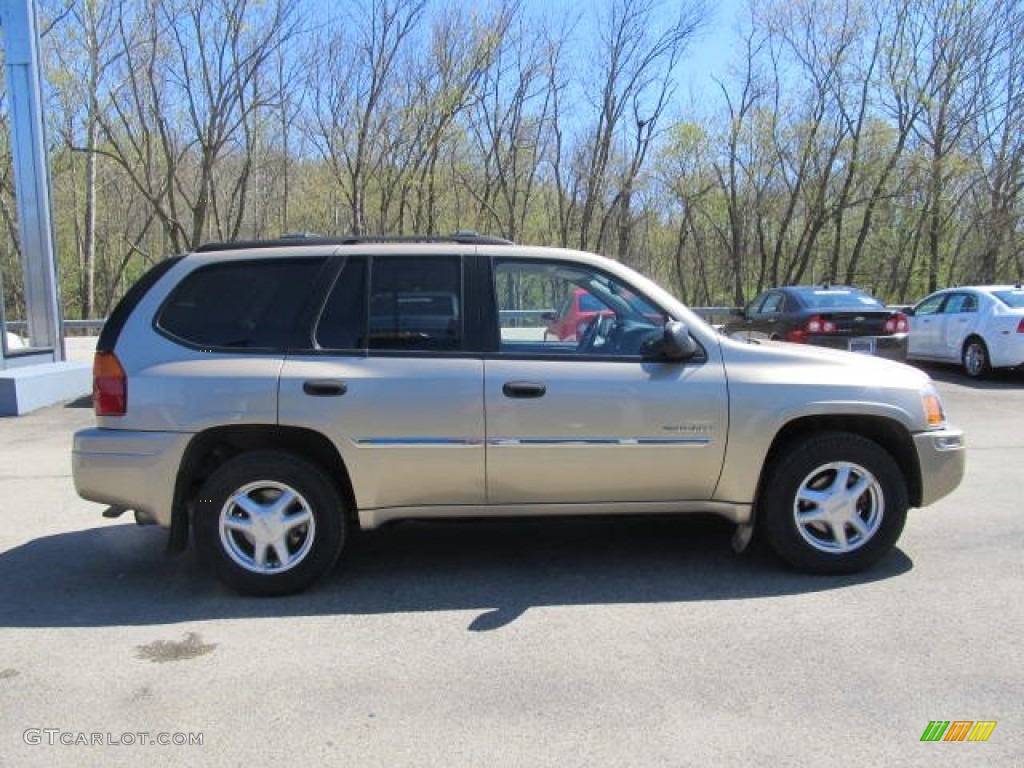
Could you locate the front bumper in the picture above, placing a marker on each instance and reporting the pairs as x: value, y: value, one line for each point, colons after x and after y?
x: 129, y: 469
x: 942, y: 456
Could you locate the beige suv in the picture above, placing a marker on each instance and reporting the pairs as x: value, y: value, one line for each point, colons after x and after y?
x: 267, y: 396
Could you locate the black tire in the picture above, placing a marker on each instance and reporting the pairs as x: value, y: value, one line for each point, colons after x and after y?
x: 870, y: 507
x: 975, y: 359
x: 293, y: 546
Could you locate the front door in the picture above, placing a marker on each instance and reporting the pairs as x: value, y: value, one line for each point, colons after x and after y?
x: 925, y: 335
x: 595, y: 420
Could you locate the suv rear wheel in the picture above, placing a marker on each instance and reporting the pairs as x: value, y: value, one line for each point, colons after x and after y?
x: 834, y: 503
x: 269, y: 523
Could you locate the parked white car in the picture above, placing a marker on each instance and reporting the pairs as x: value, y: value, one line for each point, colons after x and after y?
x: 981, y: 327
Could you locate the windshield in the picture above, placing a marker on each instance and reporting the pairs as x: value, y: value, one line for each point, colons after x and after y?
x: 610, y: 294
x: 589, y: 304
x: 1011, y: 297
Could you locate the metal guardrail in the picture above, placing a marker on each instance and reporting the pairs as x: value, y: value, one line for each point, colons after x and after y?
x: 709, y: 314
x: 19, y: 326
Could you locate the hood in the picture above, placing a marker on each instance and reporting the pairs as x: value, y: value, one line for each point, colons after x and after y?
x: 783, y: 361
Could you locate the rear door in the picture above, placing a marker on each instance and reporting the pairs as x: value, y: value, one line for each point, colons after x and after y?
x: 387, y: 377
x: 595, y: 421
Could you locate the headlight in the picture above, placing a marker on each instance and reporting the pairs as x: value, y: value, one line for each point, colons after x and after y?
x: 933, y: 410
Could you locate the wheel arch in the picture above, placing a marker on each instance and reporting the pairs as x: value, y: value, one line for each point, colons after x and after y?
x: 213, y: 447
x: 887, y: 433
x: 973, y: 335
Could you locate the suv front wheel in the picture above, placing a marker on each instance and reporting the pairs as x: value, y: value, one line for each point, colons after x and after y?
x: 269, y: 523
x: 834, y: 503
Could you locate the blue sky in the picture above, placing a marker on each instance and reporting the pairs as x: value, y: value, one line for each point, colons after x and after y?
x: 711, y: 55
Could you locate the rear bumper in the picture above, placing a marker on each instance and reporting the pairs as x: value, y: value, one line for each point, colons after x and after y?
x: 891, y: 347
x: 130, y: 469
x: 942, y: 457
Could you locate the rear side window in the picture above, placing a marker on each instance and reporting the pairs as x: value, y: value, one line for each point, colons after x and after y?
x: 240, y: 304
x: 416, y: 303
x: 112, y: 328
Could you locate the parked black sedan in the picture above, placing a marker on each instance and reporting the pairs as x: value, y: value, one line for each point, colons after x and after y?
x: 835, y: 316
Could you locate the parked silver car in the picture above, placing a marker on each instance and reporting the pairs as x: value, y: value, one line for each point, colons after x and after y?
x: 268, y: 396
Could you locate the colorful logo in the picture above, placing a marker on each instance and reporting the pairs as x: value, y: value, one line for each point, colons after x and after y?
x: 958, y: 730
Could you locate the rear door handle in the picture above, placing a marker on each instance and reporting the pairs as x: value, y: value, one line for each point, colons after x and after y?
x: 325, y: 387
x: 523, y: 389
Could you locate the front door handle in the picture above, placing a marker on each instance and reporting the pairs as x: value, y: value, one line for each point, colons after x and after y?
x: 325, y: 387
x: 523, y: 389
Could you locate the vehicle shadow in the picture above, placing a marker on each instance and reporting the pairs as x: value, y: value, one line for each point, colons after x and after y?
x: 117, y: 575
x: 952, y: 374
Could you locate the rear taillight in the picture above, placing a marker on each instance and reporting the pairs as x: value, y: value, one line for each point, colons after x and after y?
x: 1020, y: 326
x: 897, y: 324
x: 109, y: 385
x: 816, y: 324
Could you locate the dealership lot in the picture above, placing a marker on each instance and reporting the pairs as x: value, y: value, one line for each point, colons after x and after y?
x: 586, y: 642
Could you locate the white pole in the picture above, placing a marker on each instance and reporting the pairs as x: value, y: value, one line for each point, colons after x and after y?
x: 31, y: 175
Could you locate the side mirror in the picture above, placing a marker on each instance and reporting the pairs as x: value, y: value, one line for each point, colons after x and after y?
x: 676, y: 342
x: 547, y: 317
x: 908, y: 311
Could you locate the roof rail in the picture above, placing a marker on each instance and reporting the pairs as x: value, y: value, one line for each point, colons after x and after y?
x: 310, y: 238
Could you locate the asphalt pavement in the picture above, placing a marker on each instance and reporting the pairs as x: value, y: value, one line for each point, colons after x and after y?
x: 538, y: 643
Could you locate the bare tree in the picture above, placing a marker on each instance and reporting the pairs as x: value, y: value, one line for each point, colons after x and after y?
x: 508, y: 128
x: 945, y: 71
x: 737, y: 171
x: 87, y: 54
x: 463, y: 46
x: 352, y: 89
x: 192, y: 79
x: 633, y: 86
x: 1000, y: 142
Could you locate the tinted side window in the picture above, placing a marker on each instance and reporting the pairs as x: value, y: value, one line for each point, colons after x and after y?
x: 771, y: 304
x: 112, y: 328
x: 959, y: 303
x: 343, y: 322
x: 930, y: 305
x: 240, y: 304
x: 416, y: 303
x: 754, y: 307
